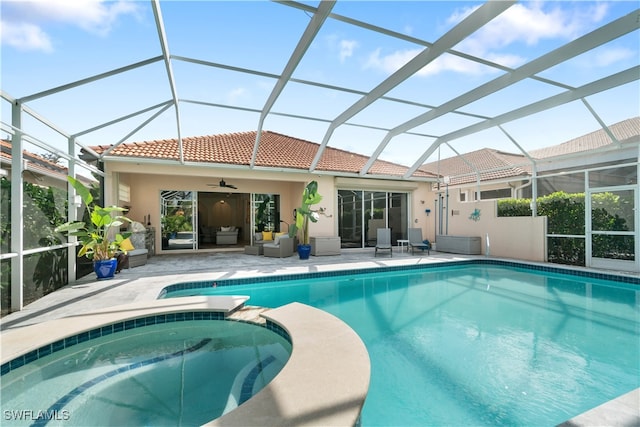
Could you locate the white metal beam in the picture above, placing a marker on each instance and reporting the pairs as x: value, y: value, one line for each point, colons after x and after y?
x: 298, y: 53
x: 120, y: 119
x: 140, y: 126
x: 162, y: 35
x: 318, y: 84
x: 598, y: 37
x: 81, y: 82
x: 602, y: 123
x: 469, y: 25
x: 627, y: 76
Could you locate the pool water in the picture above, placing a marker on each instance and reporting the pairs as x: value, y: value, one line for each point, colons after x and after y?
x: 180, y: 373
x: 478, y: 345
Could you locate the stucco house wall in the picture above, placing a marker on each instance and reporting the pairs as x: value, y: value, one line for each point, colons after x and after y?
x: 146, y: 181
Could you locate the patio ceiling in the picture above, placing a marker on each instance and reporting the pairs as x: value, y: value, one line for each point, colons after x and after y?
x: 469, y: 109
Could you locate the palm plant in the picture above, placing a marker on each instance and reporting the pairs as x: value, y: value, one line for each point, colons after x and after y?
x: 305, y: 213
x: 100, y: 236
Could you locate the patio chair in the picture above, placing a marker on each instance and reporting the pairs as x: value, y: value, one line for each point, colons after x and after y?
x: 416, y: 242
x: 282, y: 249
x: 384, y: 241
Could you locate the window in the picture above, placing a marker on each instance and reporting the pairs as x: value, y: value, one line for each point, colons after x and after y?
x: 124, y: 193
x: 501, y: 193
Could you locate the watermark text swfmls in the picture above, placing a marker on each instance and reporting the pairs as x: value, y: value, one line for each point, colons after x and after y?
x: 35, y: 415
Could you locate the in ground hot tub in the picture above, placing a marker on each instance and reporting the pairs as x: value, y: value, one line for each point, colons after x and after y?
x: 184, y: 368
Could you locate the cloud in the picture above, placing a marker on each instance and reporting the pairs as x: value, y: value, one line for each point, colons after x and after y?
x: 392, y: 62
x: 523, y: 23
x: 25, y: 22
x: 532, y: 22
x: 346, y: 49
x: 236, y: 94
x: 610, y: 56
x: 23, y: 36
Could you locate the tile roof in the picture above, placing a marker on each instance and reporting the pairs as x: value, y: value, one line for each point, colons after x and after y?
x: 496, y: 164
x: 625, y: 131
x: 514, y: 165
x: 275, y: 150
x: 35, y: 162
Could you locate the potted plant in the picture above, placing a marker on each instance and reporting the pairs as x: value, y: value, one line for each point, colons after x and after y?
x: 304, y: 214
x: 99, y: 236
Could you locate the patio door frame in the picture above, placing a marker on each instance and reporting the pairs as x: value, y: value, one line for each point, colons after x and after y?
x: 606, y: 263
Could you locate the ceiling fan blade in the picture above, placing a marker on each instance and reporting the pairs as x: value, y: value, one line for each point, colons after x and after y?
x: 223, y: 184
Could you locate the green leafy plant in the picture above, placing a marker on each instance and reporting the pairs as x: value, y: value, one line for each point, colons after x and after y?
x: 565, y: 214
x: 306, y: 213
x: 99, y: 236
x: 172, y: 224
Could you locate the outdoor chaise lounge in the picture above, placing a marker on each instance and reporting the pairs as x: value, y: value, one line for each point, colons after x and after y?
x: 384, y: 241
x: 416, y: 242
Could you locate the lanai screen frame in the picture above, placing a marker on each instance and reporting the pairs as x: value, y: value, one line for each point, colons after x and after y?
x: 319, y: 15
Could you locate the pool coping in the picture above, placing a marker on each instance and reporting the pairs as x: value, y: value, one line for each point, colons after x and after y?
x: 324, y: 382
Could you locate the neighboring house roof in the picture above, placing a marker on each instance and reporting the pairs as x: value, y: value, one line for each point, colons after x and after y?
x: 275, y: 150
x: 625, y: 131
x: 35, y: 162
x: 511, y: 165
x: 492, y: 164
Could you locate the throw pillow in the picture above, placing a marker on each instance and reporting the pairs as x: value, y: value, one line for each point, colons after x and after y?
x: 267, y: 235
x: 126, y: 245
x: 277, y: 237
x: 225, y: 228
x: 257, y: 237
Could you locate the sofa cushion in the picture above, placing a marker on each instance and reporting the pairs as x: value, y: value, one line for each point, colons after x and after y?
x: 267, y: 235
x: 126, y: 245
x: 138, y: 240
x: 276, y: 238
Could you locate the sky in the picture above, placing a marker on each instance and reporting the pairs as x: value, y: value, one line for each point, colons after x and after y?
x: 46, y: 44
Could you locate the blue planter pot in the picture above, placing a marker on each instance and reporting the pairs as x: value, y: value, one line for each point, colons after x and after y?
x: 105, y: 269
x: 304, y: 251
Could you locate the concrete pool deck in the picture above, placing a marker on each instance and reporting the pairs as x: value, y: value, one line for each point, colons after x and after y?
x: 144, y: 283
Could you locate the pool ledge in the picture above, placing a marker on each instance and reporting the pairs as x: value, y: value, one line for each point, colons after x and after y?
x: 324, y: 382
x: 18, y: 341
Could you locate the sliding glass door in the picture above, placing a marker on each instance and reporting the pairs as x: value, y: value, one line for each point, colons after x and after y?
x: 361, y: 213
x: 178, y: 219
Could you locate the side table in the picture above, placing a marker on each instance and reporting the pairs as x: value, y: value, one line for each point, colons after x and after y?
x: 403, y: 244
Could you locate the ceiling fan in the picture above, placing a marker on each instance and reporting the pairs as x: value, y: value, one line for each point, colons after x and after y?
x: 223, y: 184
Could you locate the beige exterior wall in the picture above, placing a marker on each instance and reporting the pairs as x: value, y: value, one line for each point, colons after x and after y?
x: 520, y: 238
x: 146, y: 182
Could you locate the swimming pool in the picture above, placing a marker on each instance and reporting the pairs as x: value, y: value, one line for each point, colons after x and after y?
x: 475, y: 344
x: 173, y: 369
